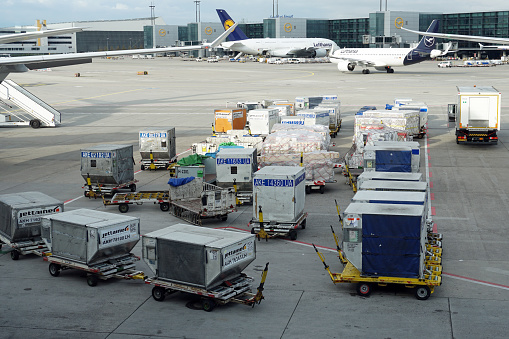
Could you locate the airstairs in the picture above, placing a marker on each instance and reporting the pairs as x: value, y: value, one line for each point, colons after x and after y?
x: 32, y: 111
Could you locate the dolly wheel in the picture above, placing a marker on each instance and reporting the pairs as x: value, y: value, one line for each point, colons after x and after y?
x: 164, y: 206
x: 14, y: 255
x: 303, y: 224
x: 132, y: 187
x: 422, y: 292
x: 158, y: 293
x: 293, y: 235
x: 54, y: 269
x: 92, y: 280
x: 364, y: 289
x: 208, y: 305
x: 142, y: 167
x: 322, y: 189
x: 224, y: 217
x: 123, y: 208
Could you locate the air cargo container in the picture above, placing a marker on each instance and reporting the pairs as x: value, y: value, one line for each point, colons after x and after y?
x: 416, y: 153
x: 228, y: 119
x: 279, y: 197
x: 391, y: 159
x: 237, y: 166
x: 478, y: 115
x: 261, y: 120
x: 395, y: 176
x: 197, y: 256
x: 109, y: 167
x: 90, y: 237
x: 390, y: 185
x: 20, y: 221
x: 334, y: 109
x: 315, y: 116
x: 385, y: 239
x: 157, y: 147
x: 283, y: 110
x: 390, y: 197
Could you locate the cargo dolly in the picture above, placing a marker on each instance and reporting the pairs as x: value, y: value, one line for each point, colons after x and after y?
x: 423, y: 287
x: 333, y: 129
x: 24, y: 247
x: 273, y: 229
x: 236, y: 290
x: 191, y: 210
x: 318, y: 185
x: 120, y: 268
x: 98, y: 190
x: 123, y: 200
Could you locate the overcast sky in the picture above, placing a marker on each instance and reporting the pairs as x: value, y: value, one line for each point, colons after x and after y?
x: 182, y: 12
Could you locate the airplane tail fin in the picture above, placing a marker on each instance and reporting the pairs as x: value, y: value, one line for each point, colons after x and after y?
x: 428, y: 43
x: 227, y: 22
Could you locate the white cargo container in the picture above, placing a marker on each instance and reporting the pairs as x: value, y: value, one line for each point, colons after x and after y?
x: 261, y: 120
x: 478, y: 115
x: 315, y: 116
x: 197, y: 256
x: 390, y: 185
x: 385, y: 239
x: 20, y: 215
x: 390, y: 197
x: 280, y: 192
x: 90, y: 237
x: 283, y: 110
x: 334, y: 108
x: 236, y: 165
x: 157, y: 146
x: 396, y: 176
x: 399, y: 158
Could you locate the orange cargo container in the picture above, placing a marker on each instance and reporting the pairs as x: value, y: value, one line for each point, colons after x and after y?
x: 228, y: 119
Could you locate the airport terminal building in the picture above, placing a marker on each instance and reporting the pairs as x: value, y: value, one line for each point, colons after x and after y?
x: 379, y: 29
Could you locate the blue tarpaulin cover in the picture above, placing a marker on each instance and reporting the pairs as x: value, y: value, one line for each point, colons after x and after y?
x: 391, y: 245
x: 175, y: 182
x: 393, y: 161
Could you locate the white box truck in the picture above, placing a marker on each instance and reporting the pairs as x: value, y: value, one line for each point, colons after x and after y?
x: 478, y: 115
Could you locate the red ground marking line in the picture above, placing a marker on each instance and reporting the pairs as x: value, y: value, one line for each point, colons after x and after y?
x: 432, y: 196
x: 476, y: 280
x: 433, y: 212
x: 431, y: 184
x: 430, y: 174
x: 435, y: 228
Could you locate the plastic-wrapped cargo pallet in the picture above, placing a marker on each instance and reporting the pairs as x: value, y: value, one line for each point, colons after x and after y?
x: 385, y: 239
x: 407, y: 121
x: 197, y: 256
x: 108, y: 164
x: 280, y: 192
x: 20, y: 214
x: 323, y: 130
x: 409, y: 104
x: 261, y: 120
x: 394, y: 176
x: 397, y: 158
x: 89, y: 236
x: 294, y: 141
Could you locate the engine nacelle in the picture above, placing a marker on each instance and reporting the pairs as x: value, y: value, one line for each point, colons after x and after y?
x: 435, y: 53
x: 320, y: 53
x: 345, y: 66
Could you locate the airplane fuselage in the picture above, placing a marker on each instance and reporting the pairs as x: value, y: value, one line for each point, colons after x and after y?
x: 283, y: 47
x: 379, y: 57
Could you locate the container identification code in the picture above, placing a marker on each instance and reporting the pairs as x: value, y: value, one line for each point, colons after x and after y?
x: 293, y: 122
x: 279, y: 182
x: 313, y: 115
x: 153, y: 135
x: 117, y: 235
x: 233, y: 161
x: 234, y: 255
x: 105, y: 155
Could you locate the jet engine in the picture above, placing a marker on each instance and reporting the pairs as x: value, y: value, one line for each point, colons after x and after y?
x: 345, y: 66
x: 320, y: 53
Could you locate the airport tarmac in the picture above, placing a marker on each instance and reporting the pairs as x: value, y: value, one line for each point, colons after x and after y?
x: 109, y: 103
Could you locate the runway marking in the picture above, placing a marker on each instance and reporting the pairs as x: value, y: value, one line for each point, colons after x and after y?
x: 476, y: 281
x: 100, y: 96
x: 432, y: 196
x: 433, y: 212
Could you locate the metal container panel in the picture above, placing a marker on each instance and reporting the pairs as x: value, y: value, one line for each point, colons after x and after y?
x: 390, y: 197
x: 89, y: 236
x: 197, y: 256
x: 228, y: 119
x: 20, y: 214
x: 390, y: 185
x: 191, y: 190
x: 237, y: 164
x: 280, y: 192
x: 161, y: 141
x: 197, y: 171
x: 293, y: 120
x: 108, y: 164
x: 262, y: 120
x: 395, y: 176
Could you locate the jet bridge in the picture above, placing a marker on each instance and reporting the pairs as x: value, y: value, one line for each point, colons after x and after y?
x: 32, y: 111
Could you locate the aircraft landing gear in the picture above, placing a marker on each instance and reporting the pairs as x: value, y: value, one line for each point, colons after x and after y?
x: 389, y: 70
x: 365, y: 71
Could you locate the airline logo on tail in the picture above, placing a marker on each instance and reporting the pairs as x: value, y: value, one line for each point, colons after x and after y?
x: 429, y: 41
x: 228, y: 23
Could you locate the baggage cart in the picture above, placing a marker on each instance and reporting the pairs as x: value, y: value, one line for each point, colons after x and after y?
x: 236, y: 290
x: 120, y: 268
x: 98, y: 190
x: 37, y: 247
x: 123, y: 200
x: 277, y: 229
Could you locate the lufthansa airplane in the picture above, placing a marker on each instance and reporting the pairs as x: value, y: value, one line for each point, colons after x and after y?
x: 475, y: 38
x: 275, y: 47
x: 384, y: 59
x: 25, y: 63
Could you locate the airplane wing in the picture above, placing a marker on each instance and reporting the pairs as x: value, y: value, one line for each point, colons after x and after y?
x: 357, y: 61
x: 461, y: 37
x: 81, y: 57
x: 7, y: 38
